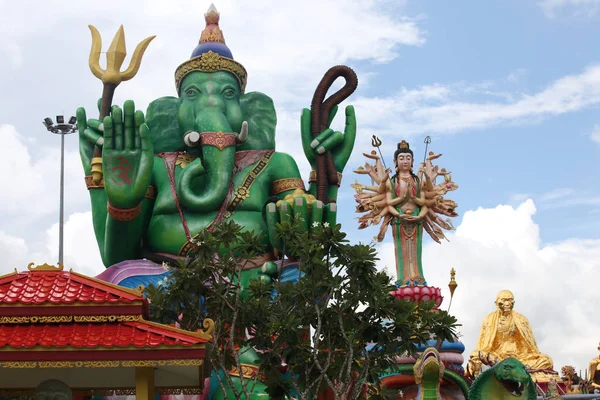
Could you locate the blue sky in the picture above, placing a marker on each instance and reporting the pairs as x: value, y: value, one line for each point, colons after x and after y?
x: 509, y: 49
x: 508, y: 90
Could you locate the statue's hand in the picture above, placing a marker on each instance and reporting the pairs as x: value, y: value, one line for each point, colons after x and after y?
x: 127, y: 156
x: 411, y: 218
x: 308, y: 217
x: 339, y: 144
x: 90, y: 135
x: 266, y: 272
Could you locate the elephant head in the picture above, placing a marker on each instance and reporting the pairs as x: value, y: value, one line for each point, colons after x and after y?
x: 213, y: 108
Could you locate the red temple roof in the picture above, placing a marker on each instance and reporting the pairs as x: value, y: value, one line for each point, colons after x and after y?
x: 91, y: 336
x: 50, y: 314
x: 43, y: 285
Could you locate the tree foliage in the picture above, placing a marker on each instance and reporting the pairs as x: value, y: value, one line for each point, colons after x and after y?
x: 336, y: 328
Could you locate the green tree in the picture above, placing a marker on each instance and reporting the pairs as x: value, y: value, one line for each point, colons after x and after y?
x: 336, y: 328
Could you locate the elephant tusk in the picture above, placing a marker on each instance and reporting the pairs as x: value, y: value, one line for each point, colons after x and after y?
x: 191, y: 139
x: 243, y: 136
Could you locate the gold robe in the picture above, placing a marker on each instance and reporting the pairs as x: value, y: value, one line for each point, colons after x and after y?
x: 511, y: 336
x: 594, y: 372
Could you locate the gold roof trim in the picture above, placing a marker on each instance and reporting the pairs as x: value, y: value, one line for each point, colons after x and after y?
x: 45, y: 267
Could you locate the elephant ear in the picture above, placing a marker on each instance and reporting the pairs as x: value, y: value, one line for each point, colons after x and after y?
x: 259, y: 111
x: 161, y: 118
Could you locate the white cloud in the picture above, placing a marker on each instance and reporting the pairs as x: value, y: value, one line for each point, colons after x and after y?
x: 567, y: 197
x: 14, y: 253
x: 446, y: 108
x: 557, y: 194
x: 80, y: 250
x: 284, y: 46
x: 516, y: 75
x: 576, y: 8
x: 595, y: 135
x: 517, y: 198
x: 34, y: 182
x: 499, y: 248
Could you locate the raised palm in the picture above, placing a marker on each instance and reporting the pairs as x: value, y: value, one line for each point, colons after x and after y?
x: 127, y: 156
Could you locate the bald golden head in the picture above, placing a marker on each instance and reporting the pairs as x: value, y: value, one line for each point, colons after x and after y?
x: 505, y: 294
x: 505, y: 301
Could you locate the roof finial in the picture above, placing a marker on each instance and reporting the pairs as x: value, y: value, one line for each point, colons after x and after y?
x: 45, y: 267
x: 212, y: 32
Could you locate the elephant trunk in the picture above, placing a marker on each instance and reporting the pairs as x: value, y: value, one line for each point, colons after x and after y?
x: 204, y: 183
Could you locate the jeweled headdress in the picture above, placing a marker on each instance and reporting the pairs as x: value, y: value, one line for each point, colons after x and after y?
x: 403, y: 147
x: 212, y: 54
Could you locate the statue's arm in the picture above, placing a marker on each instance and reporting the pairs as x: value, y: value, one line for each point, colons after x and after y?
x: 593, y: 367
x: 124, y: 234
x: 120, y: 210
x: 297, y: 202
x: 420, y: 201
x: 108, y: 233
x: 338, y: 144
x: 285, y: 176
x: 127, y: 163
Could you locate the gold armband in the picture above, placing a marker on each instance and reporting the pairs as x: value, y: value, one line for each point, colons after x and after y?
x: 313, y: 177
x: 89, y: 182
x: 150, y: 193
x: 283, y: 185
x: 248, y: 371
x: 124, y: 214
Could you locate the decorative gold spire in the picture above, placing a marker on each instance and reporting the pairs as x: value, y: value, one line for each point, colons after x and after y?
x: 212, y: 32
x: 452, y: 285
x: 212, y: 15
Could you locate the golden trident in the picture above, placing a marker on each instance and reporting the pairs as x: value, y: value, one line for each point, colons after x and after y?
x: 111, y: 77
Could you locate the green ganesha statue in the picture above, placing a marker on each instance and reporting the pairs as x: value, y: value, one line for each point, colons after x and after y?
x: 201, y: 158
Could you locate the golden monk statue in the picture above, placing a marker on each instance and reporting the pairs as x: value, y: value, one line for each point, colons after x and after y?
x: 594, y: 372
x: 506, y: 333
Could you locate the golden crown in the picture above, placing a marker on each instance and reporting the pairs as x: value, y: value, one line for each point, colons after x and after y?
x: 212, y: 54
x: 211, y: 62
x: 403, y: 145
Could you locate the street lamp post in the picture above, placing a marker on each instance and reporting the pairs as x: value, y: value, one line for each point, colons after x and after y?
x: 61, y: 128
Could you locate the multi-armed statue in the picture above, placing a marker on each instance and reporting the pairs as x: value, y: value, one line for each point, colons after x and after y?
x: 160, y: 180
x: 409, y: 203
x: 204, y: 157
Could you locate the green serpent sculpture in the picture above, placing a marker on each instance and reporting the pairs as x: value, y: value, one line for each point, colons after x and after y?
x: 507, y: 379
